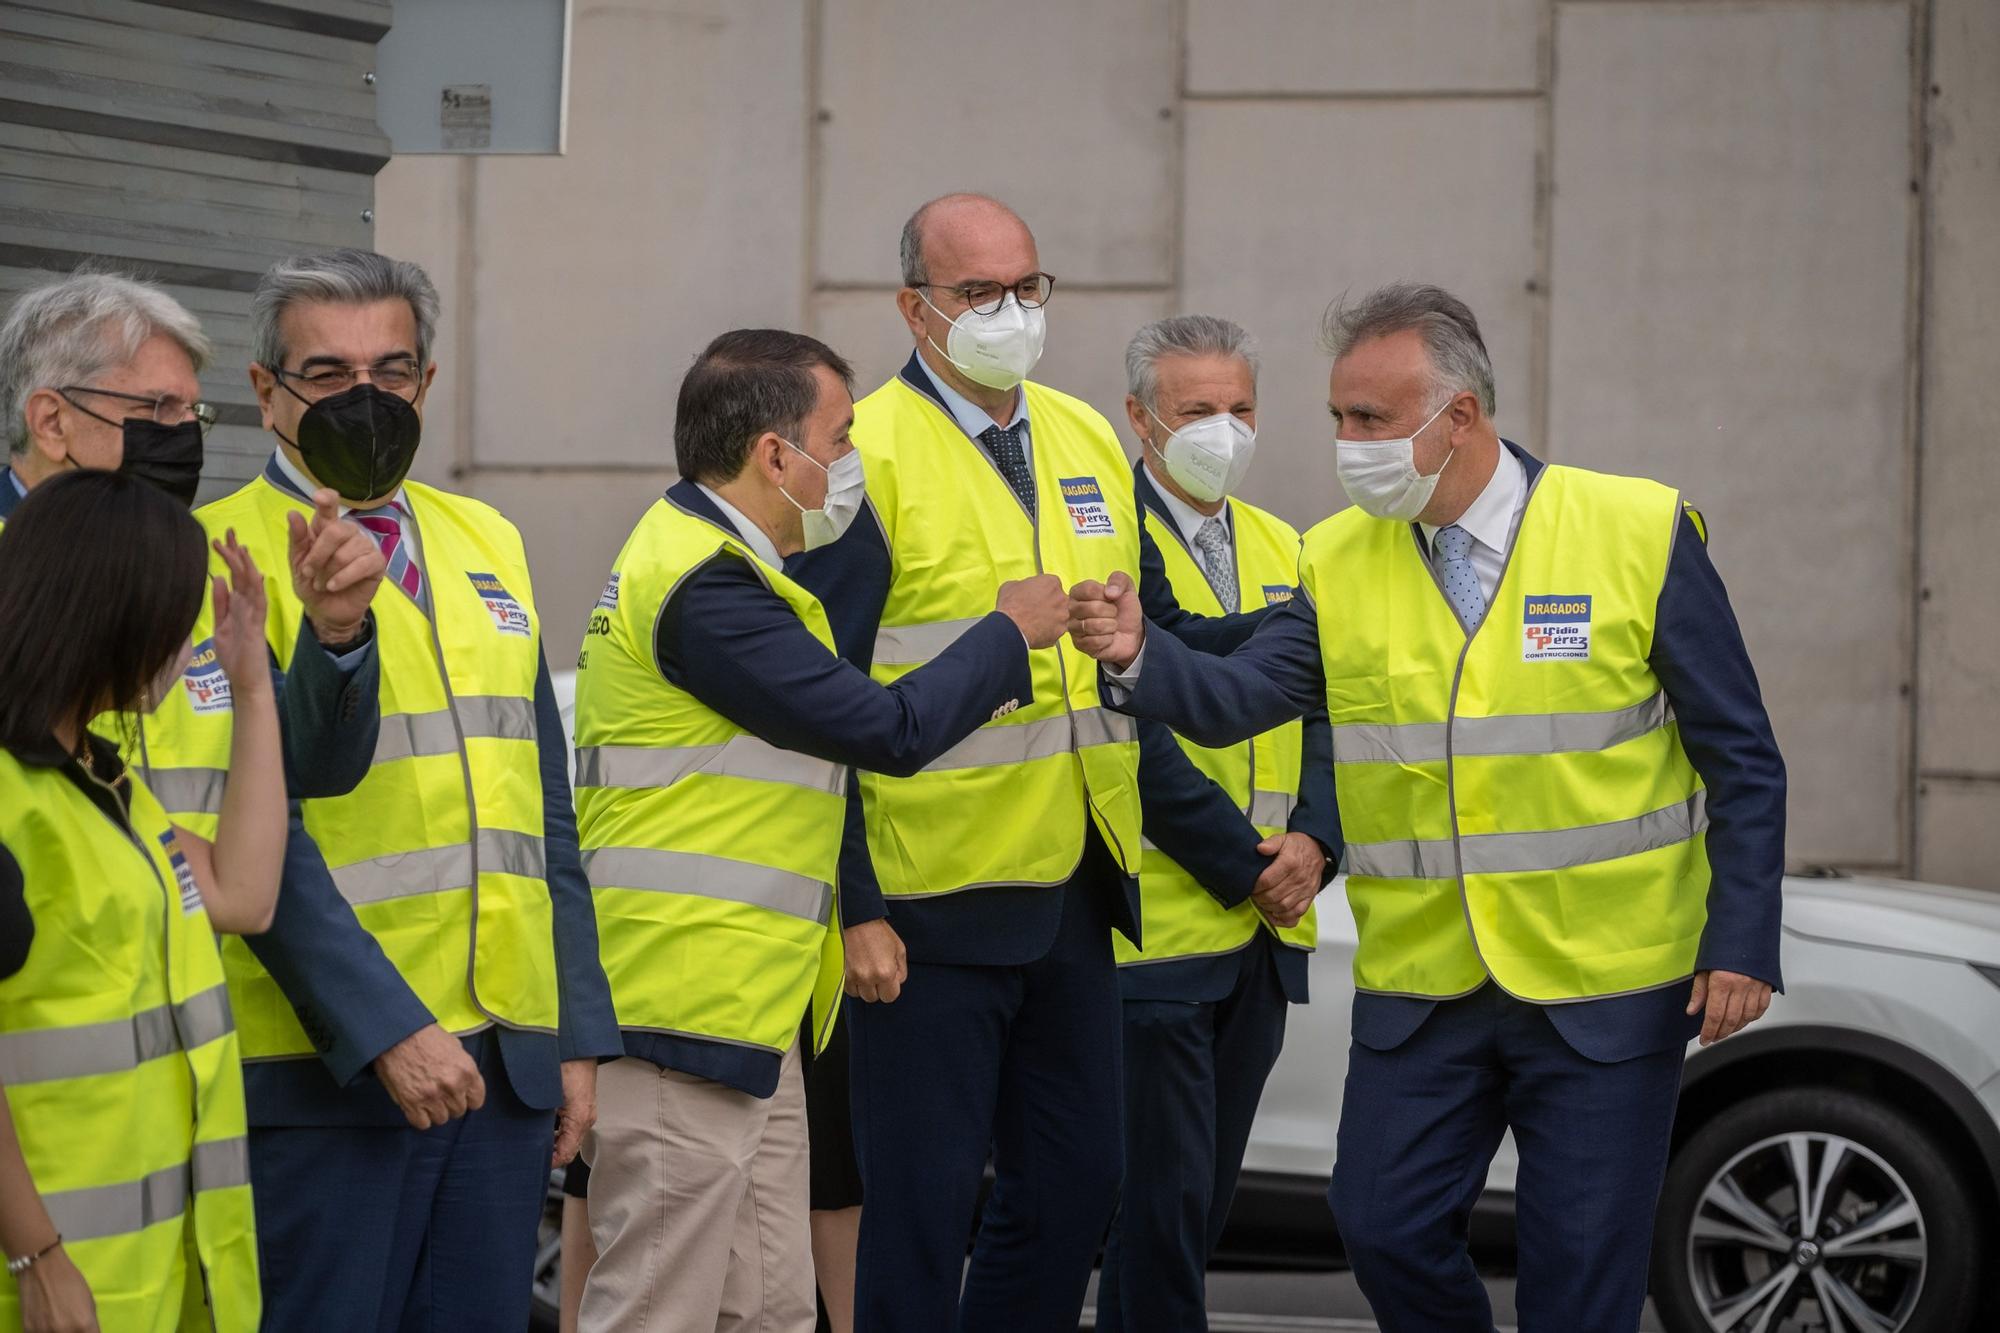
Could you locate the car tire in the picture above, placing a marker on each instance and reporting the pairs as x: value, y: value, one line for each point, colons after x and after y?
x: 1872, y: 1163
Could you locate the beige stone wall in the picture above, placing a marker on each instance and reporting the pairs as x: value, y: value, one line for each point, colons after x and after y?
x: 1750, y: 248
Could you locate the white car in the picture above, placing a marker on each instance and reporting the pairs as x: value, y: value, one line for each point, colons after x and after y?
x: 1836, y: 1166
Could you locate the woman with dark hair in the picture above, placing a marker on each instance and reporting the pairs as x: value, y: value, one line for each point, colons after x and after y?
x: 124, y: 1181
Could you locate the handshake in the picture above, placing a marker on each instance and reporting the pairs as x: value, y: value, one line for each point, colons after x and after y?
x: 1104, y: 620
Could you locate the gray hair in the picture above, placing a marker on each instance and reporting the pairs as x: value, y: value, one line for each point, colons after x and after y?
x: 1450, y: 333
x: 344, y: 277
x: 1182, y: 335
x: 71, y: 330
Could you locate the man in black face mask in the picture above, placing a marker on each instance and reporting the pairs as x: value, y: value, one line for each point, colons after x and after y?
x: 410, y: 1073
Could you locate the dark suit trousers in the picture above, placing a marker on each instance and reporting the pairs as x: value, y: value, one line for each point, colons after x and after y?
x: 402, y: 1230
x: 1019, y: 1060
x: 1419, y: 1127
x: 1193, y: 1075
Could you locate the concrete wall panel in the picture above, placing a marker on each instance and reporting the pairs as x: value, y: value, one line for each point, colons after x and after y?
x: 1958, y: 722
x: 1730, y: 241
x: 1310, y: 213
x: 1066, y: 111
x: 1958, y: 833
x: 1263, y: 47
x: 1085, y: 355
x: 678, y: 212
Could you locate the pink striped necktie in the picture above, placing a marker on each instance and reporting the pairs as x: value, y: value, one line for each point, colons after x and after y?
x: 387, y: 530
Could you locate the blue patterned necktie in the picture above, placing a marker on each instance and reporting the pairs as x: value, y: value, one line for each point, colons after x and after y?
x: 1452, y: 556
x: 1213, y: 539
x: 1004, y: 444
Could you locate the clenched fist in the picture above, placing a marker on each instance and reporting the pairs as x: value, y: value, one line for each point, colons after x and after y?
x: 1105, y: 620
x: 1038, y: 606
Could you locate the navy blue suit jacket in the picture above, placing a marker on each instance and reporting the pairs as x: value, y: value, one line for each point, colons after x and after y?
x: 1007, y: 925
x: 352, y: 1002
x: 1699, y: 657
x: 1317, y: 814
x: 727, y: 639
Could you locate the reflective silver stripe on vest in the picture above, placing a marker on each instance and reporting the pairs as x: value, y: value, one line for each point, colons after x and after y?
x: 1023, y: 742
x: 188, y: 790
x: 1516, y: 853
x: 503, y: 717
x: 698, y: 876
x: 905, y: 645
x: 47, y: 1054
x: 440, y: 869
x: 1524, y: 733
x: 221, y: 1164
x: 1271, y: 809
x: 133, y: 1205
x: 739, y: 757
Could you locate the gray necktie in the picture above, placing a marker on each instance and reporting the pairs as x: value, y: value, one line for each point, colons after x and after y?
x: 1213, y: 539
x: 1452, y: 556
x: 1004, y: 443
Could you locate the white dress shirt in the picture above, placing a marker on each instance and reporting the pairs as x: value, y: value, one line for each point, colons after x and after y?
x: 753, y: 536
x: 973, y: 419
x: 1492, y: 519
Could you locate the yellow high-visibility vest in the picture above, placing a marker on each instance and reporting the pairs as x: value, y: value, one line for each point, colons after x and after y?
x: 711, y: 854
x: 1181, y: 919
x: 1006, y: 805
x: 1516, y: 804
x: 120, y: 1062
x: 439, y: 849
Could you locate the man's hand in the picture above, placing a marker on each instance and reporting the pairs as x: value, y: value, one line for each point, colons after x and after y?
x: 877, y: 964
x: 336, y: 567
x: 1286, y: 889
x: 579, y: 1109
x: 431, y: 1077
x: 1105, y: 620
x: 1038, y: 606
x: 1733, y: 1002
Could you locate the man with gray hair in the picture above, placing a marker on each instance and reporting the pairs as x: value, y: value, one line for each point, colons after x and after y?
x: 1223, y: 953
x: 410, y: 1069
x: 97, y: 370
x: 1563, y: 809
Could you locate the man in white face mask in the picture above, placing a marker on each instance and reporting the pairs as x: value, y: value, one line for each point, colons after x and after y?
x: 715, y: 728
x: 981, y: 896
x: 1227, y: 935
x: 1563, y: 808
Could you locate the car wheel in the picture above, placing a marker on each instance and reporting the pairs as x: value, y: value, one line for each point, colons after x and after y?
x: 544, y: 1313
x: 1815, y: 1209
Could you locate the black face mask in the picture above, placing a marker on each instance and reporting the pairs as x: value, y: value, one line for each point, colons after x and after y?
x: 360, y: 441
x: 168, y: 457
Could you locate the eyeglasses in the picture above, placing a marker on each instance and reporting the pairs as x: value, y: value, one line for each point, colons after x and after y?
x: 166, y: 409
x: 985, y: 297
x: 398, y: 377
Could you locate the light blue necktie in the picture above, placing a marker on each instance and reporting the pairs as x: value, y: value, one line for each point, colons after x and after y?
x: 1213, y: 539
x: 1453, y: 559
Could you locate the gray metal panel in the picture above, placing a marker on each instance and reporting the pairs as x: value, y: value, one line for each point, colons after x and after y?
x: 194, y: 143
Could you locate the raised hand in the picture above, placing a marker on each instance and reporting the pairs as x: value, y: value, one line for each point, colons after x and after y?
x: 336, y: 568
x: 1038, y: 606
x: 1106, y: 621
x: 239, y: 617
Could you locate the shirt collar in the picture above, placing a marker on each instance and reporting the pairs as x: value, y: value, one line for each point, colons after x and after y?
x: 970, y: 416
x: 1185, y: 516
x: 753, y: 536
x: 1490, y: 517
x: 305, y: 485
x: 14, y: 480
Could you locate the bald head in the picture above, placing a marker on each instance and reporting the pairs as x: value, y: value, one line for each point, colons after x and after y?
x: 953, y: 229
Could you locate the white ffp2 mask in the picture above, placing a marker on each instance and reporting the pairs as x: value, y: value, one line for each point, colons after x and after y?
x: 997, y: 350
x: 1381, y: 475
x: 1207, y: 458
